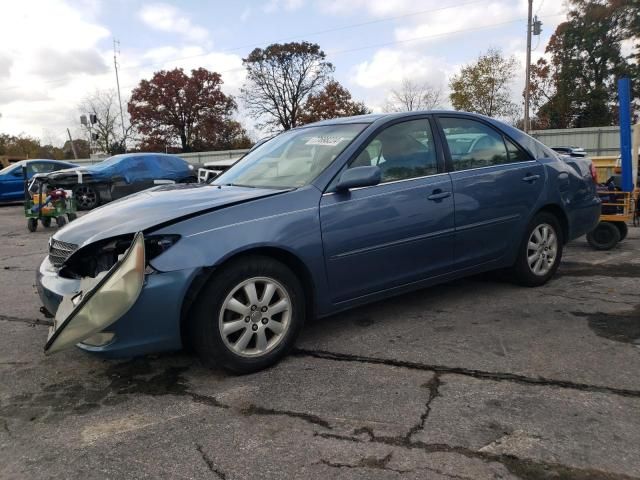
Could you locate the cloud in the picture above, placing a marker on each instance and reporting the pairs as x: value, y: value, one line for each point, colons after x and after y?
x: 375, y: 8
x: 388, y: 67
x: 277, y: 5
x: 168, y: 18
x: 54, y: 63
x: 5, y: 65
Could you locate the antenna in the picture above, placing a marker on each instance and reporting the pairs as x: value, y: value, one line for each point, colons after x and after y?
x: 116, y: 52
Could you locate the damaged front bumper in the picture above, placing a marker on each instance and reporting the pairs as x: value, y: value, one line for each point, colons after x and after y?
x: 123, y: 312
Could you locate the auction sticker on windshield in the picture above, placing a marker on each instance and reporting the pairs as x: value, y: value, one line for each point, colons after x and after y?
x: 325, y: 141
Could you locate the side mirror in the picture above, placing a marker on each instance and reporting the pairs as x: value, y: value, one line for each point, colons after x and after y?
x: 359, y: 177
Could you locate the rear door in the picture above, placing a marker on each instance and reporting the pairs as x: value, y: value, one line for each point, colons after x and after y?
x: 398, y: 231
x: 495, y: 184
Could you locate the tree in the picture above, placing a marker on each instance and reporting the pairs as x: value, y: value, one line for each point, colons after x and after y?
x: 81, y: 146
x: 413, y: 96
x: 332, y: 101
x: 576, y: 86
x: 175, y: 109
x: 280, y: 78
x: 19, y: 145
x: 108, y: 127
x: 483, y: 86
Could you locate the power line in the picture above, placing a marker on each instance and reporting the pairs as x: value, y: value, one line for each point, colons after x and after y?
x: 309, y: 34
x: 396, y: 42
x: 292, y: 37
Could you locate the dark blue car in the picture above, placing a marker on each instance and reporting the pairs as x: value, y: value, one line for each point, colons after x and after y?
x: 12, y: 179
x: 316, y: 220
x: 122, y: 175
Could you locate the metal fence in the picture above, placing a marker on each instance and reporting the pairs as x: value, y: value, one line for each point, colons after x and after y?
x: 597, y: 141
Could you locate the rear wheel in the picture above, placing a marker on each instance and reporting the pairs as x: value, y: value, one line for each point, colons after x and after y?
x: 604, y: 237
x: 32, y: 224
x: 61, y: 221
x: 71, y: 216
x: 46, y: 222
x: 540, y: 251
x: 624, y: 230
x: 86, y: 197
x: 248, y: 316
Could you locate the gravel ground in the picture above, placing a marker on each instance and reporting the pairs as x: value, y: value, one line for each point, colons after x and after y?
x: 473, y: 379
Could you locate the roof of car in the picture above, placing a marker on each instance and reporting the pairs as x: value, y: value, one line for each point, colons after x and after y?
x: 372, y: 117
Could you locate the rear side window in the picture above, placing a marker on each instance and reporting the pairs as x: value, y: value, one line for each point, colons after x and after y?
x: 515, y: 154
x: 473, y: 144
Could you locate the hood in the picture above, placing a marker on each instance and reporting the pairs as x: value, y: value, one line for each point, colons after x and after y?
x: 153, y: 207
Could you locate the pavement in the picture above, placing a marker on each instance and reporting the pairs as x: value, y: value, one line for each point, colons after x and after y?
x: 473, y: 379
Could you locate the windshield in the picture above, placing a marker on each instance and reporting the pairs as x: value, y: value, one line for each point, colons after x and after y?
x: 11, y: 167
x: 292, y: 159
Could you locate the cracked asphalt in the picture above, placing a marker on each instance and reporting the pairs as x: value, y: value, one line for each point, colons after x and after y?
x: 474, y: 379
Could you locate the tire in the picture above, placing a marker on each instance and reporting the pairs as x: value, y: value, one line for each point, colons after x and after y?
x: 624, y: 229
x: 61, y: 221
x: 87, y: 197
x: 71, y: 216
x: 32, y: 224
x: 238, y: 350
x: 46, y: 222
x: 604, y: 237
x: 540, y: 269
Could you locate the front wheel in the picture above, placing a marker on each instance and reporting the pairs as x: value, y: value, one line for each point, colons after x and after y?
x: 248, y: 315
x: 86, y: 197
x: 540, y: 251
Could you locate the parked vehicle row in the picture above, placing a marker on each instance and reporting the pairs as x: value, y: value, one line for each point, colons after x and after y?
x: 316, y: 220
x: 122, y: 175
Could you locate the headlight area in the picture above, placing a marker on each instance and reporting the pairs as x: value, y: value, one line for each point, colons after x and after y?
x: 99, y: 257
x: 104, y: 296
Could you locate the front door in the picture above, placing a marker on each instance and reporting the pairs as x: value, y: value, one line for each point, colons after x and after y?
x: 394, y: 233
x: 496, y: 185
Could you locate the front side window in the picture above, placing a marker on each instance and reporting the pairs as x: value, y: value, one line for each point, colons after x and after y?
x: 473, y: 144
x: 292, y: 159
x: 402, y: 151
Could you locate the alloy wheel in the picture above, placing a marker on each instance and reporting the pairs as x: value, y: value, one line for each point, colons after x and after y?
x: 86, y: 197
x: 542, y: 249
x: 255, y: 316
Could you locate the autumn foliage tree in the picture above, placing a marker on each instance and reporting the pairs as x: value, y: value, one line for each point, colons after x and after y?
x: 483, y: 86
x: 280, y: 77
x: 190, y: 111
x: 332, y: 101
x: 576, y: 86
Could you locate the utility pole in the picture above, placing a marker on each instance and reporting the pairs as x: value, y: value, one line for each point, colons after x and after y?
x: 527, y: 124
x: 73, y: 147
x: 116, y: 51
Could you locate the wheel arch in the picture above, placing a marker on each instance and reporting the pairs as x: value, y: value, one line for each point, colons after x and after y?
x: 559, y: 213
x: 284, y: 256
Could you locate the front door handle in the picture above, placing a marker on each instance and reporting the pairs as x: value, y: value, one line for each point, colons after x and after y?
x: 530, y: 178
x: 438, y: 195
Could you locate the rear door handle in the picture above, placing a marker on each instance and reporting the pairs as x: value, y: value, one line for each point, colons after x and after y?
x: 438, y: 195
x: 530, y: 178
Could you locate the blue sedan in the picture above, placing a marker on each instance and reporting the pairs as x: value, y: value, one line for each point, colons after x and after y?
x: 12, y: 179
x: 317, y: 220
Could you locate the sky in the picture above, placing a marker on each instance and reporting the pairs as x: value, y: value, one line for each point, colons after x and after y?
x: 56, y: 52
